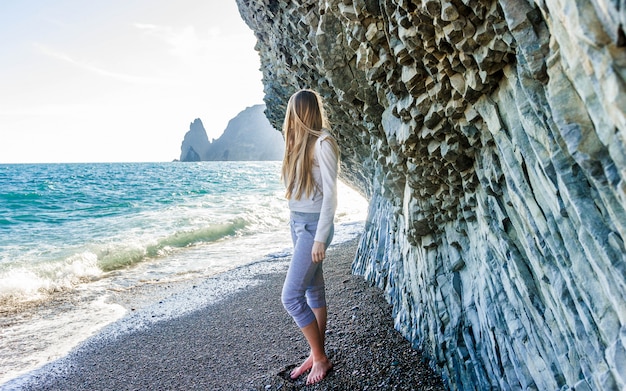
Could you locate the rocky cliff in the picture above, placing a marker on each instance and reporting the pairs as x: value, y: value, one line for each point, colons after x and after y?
x: 490, y: 139
x: 247, y: 137
x: 195, y: 144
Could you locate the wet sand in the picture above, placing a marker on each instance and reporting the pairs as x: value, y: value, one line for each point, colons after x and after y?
x: 232, y: 333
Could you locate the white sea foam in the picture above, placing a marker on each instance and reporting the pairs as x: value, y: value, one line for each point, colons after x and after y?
x: 37, y: 282
x: 46, y: 333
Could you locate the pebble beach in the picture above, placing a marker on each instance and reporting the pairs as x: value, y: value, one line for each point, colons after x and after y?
x: 240, y: 338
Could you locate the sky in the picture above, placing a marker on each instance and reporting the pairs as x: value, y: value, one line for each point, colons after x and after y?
x: 119, y: 80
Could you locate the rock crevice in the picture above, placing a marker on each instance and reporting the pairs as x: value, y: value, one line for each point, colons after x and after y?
x: 490, y: 139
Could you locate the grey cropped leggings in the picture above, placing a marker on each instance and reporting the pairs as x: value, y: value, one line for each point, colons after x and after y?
x: 304, y: 284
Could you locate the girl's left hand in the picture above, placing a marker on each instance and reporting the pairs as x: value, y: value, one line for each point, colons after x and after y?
x: 318, y: 253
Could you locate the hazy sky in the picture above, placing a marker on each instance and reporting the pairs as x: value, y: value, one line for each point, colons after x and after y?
x: 119, y: 80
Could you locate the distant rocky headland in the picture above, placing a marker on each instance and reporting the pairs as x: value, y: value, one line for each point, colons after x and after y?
x: 248, y: 137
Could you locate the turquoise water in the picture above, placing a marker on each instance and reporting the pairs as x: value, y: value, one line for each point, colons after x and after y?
x: 61, y: 223
x: 71, y: 235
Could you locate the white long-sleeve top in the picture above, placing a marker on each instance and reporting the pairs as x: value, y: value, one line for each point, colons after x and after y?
x: 324, y: 199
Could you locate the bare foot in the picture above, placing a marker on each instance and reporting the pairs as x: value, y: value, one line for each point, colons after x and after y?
x: 319, y: 370
x: 306, y: 365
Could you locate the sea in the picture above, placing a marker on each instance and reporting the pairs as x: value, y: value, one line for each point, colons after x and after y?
x: 75, y: 238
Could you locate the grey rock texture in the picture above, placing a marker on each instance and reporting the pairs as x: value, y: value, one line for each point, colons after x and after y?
x: 247, y: 137
x: 490, y: 139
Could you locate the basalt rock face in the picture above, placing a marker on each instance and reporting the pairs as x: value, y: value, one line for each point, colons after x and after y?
x: 490, y: 139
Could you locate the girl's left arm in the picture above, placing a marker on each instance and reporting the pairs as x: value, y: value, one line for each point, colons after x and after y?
x: 329, y: 165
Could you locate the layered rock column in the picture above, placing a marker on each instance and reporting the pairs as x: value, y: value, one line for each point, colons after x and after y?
x: 490, y: 139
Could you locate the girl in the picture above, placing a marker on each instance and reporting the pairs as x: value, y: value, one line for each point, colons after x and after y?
x: 309, y: 172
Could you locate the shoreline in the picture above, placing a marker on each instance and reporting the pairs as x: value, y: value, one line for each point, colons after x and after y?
x: 230, y: 332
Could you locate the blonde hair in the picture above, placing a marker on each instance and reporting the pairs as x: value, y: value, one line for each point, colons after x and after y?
x: 304, y: 121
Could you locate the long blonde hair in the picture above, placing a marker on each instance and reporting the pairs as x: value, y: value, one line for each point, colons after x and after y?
x: 304, y: 121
